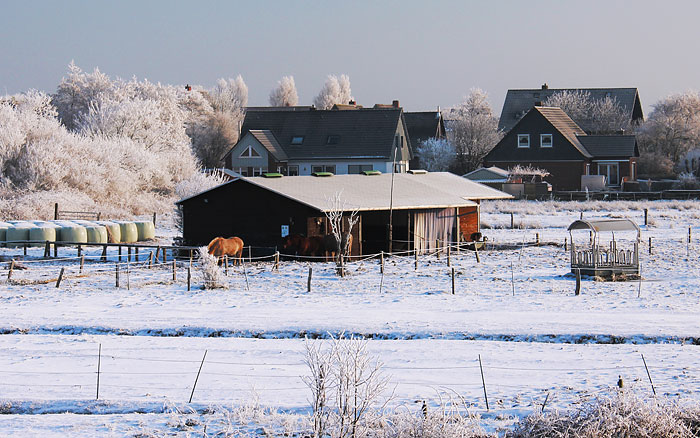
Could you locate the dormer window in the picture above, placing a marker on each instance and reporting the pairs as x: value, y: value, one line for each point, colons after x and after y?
x: 523, y: 140
x: 249, y: 152
x: 546, y: 140
x: 298, y: 139
x: 333, y: 139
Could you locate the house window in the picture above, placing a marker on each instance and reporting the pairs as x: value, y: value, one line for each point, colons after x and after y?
x: 546, y: 140
x: 298, y: 139
x: 356, y: 169
x: 611, y: 172
x: 523, y: 140
x: 249, y: 152
x: 333, y: 139
x: 258, y: 171
x: 323, y: 168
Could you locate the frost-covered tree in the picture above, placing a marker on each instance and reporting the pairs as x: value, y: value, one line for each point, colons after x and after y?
x: 76, y: 91
x: 230, y: 95
x: 473, y: 131
x: 595, y: 116
x: 436, y: 155
x: 213, y: 138
x: 336, y: 90
x: 673, y: 127
x: 285, y: 93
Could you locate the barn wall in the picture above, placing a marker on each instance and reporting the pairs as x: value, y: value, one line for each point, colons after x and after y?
x: 468, y: 222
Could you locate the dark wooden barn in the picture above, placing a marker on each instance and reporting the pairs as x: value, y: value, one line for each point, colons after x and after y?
x: 425, y: 207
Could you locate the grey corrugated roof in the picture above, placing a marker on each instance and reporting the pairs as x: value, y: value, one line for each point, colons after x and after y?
x: 563, y: 123
x: 492, y: 173
x: 609, y: 146
x: 268, y: 140
x: 430, y: 190
x: 362, y: 132
x: 519, y: 102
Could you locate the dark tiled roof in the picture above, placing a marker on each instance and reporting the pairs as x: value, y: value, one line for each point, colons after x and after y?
x: 519, y: 102
x: 563, y: 123
x: 361, y: 133
x: 610, y: 146
x: 424, y: 125
x: 268, y: 140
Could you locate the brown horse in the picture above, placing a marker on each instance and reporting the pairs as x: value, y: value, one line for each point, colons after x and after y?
x: 332, y: 249
x: 232, y: 247
x: 305, y: 246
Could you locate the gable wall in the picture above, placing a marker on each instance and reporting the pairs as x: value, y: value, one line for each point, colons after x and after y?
x: 248, y: 140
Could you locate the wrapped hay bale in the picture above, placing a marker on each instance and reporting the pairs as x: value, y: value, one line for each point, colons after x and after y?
x: 114, y: 233
x: 3, y: 232
x: 41, y: 234
x: 18, y: 234
x: 74, y: 233
x: 129, y: 231
x: 96, y: 234
x: 146, y: 230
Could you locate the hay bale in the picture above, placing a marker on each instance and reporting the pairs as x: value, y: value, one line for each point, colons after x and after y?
x: 74, y: 233
x: 96, y: 234
x: 146, y: 230
x: 41, y: 234
x: 114, y: 233
x: 129, y: 231
x: 18, y: 233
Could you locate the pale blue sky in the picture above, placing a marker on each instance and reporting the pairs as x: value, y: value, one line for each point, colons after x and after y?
x: 424, y: 53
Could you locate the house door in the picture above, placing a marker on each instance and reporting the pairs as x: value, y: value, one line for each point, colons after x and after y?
x: 611, y: 172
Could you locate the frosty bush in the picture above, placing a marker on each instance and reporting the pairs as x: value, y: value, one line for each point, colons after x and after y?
x: 336, y: 90
x: 619, y: 415
x: 285, y: 93
x: 213, y: 276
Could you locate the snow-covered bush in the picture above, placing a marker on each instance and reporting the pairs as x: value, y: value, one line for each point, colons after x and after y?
x: 336, y: 90
x: 436, y: 155
x: 213, y: 275
x: 285, y: 93
x: 687, y: 181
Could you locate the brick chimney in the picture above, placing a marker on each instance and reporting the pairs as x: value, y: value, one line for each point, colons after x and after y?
x: 545, y: 86
x: 395, y: 104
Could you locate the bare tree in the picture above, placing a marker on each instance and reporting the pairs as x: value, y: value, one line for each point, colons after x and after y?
x: 473, y: 131
x: 336, y: 90
x: 319, y: 359
x: 595, y: 116
x: 285, y: 93
x: 343, y: 239
x: 213, y: 138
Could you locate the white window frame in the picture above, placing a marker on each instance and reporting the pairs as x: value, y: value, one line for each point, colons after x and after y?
x: 248, y: 153
x: 608, y: 164
x: 528, y: 140
x: 551, y: 141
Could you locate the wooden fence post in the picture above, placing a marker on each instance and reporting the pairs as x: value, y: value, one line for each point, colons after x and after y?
x: 197, y: 378
x: 226, y: 264
x: 308, y: 281
x: 189, y: 277
x: 650, y: 246
x: 453, y: 281
x: 381, y: 267
x: 476, y: 252
x: 437, y: 252
x: 578, y: 282
x: 136, y: 253
x: 277, y: 261
x: 99, y: 363
x: 483, y: 383
x: 82, y: 263
x: 157, y: 254
x: 116, y: 268
x: 416, y: 261
x: 154, y: 219
x: 646, y: 216
x: 80, y: 250
x: 120, y: 253
x: 150, y: 260
x: 537, y: 239
x: 47, y: 250
x: 128, y: 252
x: 55, y: 211
x: 12, y: 267
x: 55, y: 250
x: 104, y: 253
x: 174, y: 271
x: 512, y: 221
x: 60, y: 277
x: 449, y: 255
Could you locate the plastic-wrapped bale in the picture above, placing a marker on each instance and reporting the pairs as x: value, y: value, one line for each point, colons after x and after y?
x: 96, y: 234
x: 129, y: 232
x: 3, y: 232
x: 18, y: 234
x: 146, y: 230
x: 74, y: 233
x: 41, y: 234
x: 114, y: 233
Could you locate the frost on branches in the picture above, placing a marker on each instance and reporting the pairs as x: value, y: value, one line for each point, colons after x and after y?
x: 595, y: 116
x: 285, y: 93
x: 436, y: 155
x: 336, y: 90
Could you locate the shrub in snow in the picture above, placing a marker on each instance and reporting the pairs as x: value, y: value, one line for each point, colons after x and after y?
x: 687, y: 181
x: 436, y: 155
x: 213, y: 275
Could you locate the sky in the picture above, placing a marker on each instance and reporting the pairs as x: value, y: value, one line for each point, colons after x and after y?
x: 423, y: 53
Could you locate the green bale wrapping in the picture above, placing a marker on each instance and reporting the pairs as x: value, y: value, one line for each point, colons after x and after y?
x: 18, y: 233
x: 41, y: 234
x: 146, y: 230
x: 3, y: 232
x: 74, y: 233
x: 96, y: 234
x: 113, y: 230
x: 129, y: 232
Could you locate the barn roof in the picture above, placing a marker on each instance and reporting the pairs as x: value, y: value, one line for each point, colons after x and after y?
x: 519, y: 102
x: 368, y: 193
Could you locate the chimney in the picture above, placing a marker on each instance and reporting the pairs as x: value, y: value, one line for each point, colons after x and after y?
x: 352, y: 102
x: 545, y: 86
x: 395, y: 104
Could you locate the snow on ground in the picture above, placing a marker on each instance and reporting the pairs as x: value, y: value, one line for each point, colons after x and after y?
x: 429, y: 339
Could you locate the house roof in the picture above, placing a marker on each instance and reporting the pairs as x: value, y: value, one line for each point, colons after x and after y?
x: 424, y: 125
x: 487, y: 174
x: 519, y: 102
x: 369, y: 193
x: 361, y: 133
x: 602, y: 146
x: 563, y: 123
x: 268, y: 140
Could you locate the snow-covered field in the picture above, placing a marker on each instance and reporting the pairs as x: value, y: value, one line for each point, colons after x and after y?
x: 533, y: 335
